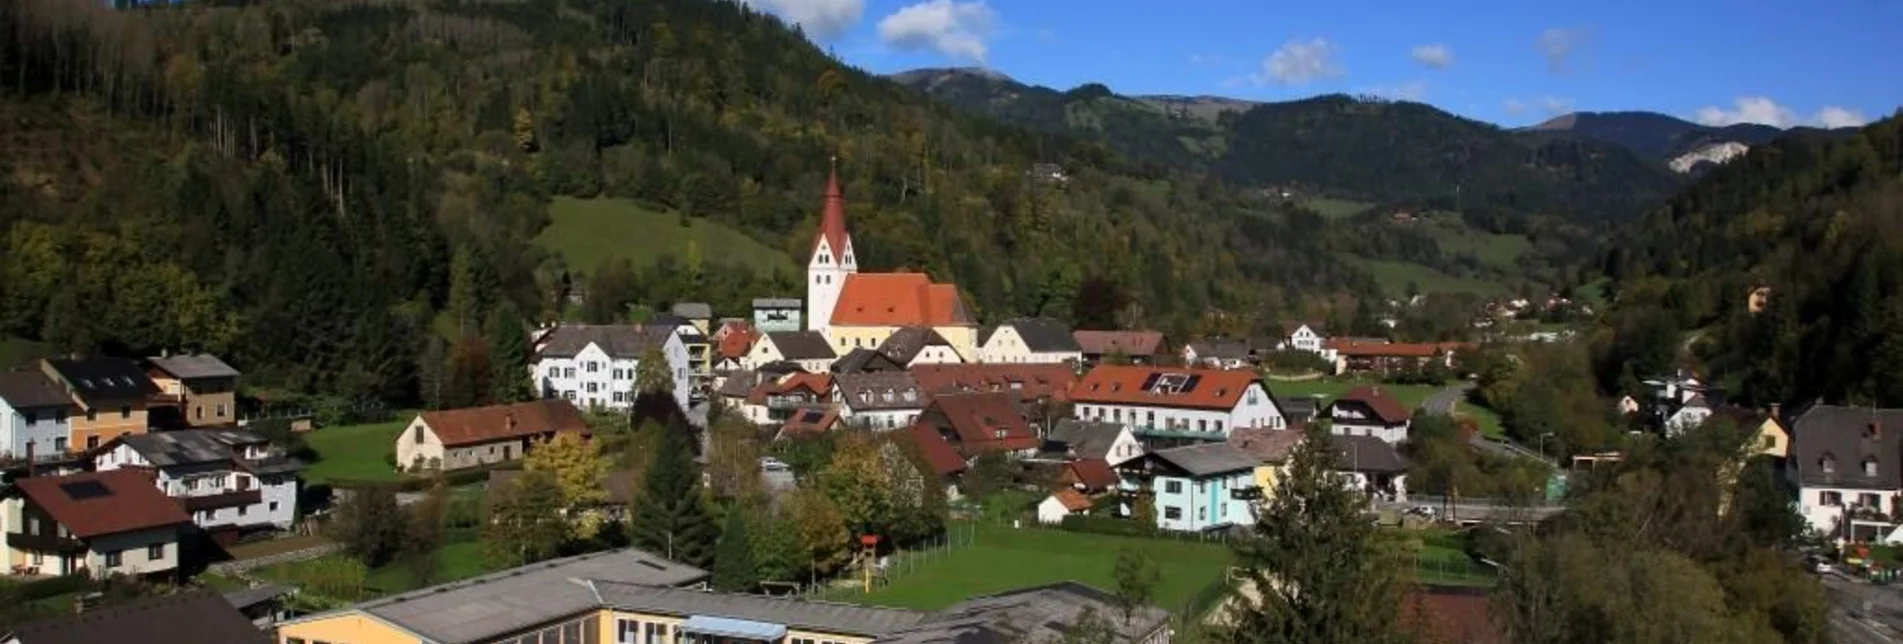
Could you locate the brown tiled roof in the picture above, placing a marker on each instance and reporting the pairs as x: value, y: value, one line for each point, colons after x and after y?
x: 986, y: 422
x: 1129, y: 343
x: 906, y: 343
x: 1139, y: 385
x: 898, y: 299
x: 938, y: 453
x: 485, y: 424
x: 1028, y: 381
x: 31, y: 390
x: 1268, y: 445
x: 832, y: 219
x: 1349, y: 347
x: 91, y: 504
x: 1073, y: 500
x: 818, y: 384
x: 617, y: 340
x: 802, y: 345
x: 810, y: 420
x: 736, y: 342
x: 1383, y: 404
x: 193, y: 617
x: 1093, y: 473
x: 881, y: 390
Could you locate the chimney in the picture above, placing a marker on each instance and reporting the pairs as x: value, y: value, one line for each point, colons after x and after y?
x: 1776, y: 408
x: 510, y: 421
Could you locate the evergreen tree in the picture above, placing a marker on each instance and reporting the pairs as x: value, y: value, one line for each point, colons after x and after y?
x: 470, y: 380
x: 670, y: 518
x: 1316, y: 562
x: 509, y: 357
x: 432, y: 371
x: 734, y: 569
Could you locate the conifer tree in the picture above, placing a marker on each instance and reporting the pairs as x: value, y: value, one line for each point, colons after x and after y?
x: 670, y: 519
x: 734, y: 569
x: 510, y: 380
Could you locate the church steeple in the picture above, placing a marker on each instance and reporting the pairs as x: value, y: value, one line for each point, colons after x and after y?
x: 832, y: 220
x: 832, y: 261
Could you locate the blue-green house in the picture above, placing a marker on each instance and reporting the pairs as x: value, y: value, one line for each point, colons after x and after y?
x: 1201, y: 487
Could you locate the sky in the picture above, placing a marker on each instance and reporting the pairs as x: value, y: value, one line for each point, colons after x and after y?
x: 1783, y: 63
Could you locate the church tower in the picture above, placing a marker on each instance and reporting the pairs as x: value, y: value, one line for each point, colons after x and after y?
x: 832, y: 258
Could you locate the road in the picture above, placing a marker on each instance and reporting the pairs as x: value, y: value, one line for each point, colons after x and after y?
x: 1444, y: 401
x: 1864, y: 613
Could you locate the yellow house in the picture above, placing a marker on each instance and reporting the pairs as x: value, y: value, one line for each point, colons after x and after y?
x: 1271, y: 447
x: 1773, y: 439
x: 203, y: 387
x: 112, y: 394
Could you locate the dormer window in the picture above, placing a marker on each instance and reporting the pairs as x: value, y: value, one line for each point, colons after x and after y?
x: 1870, y: 466
x: 1872, y: 431
x: 1827, y: 464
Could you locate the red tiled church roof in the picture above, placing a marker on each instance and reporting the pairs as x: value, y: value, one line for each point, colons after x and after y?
x: 898, y: 299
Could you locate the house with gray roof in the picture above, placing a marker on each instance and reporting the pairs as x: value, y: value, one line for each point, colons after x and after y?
x: 1847, y: 464
x: 1038, y: 614
x: 228, y: 480
x: 1200, y: 487
x: 1370, y: 464
x: 881, y: 401
x: 1072, y: 439
x: 595, y: 365
x: 863, y: 360
x: 916, y: 345
x: 1218, y: 353
x: 195, y: 390
x: 1035, y: 340
x: 33, y: 417
x: 808, y: 349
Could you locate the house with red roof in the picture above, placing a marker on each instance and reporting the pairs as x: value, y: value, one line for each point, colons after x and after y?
x: 453, y: 439
x: 1173, y: 405
x: 100, y: 523
x: 1363, y: 355
x: 1060, y: 504
x: 1370, y: 410
x: 857, y: 310
x: 1139, y: 347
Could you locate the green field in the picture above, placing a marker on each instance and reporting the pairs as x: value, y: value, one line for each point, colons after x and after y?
x: 1332, y: 208
x: 1329, y: 388
x: 1394, y: 278
x: 587, y: 231
x: 1000, y: 558
x: 1501, y: 252
x: 1443, y: 560
x: 454, y: 562
x: 354, y: 452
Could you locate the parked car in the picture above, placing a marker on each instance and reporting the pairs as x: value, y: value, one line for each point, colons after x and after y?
x: 771, y: 464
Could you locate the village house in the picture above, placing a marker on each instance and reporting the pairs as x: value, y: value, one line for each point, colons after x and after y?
x: 693, y: 336
x: 1030, y: 340
x: 1029, y: 383
x: 111, y: 393
x: 1302, y: 336
x: 1073, y: 439
x: 33, y: 417
x: 808, y: 349
x: 99, y: 523
x: 975, y: 424
x: 774, y: 400
x: 187, y: 617
x: 229, y: 480
x: 1218, y: 353
x: 595, y: 365
x: 455, y: 439
x: 879, y: 401
x: 1844, y: 462
x: 1172, y: 404
x: 777, y: 314
x: 195, y: 390
x: 1371, y: 465
x: 1773, y: 438
x: 1271, y: 449
x: 1200, y: 487
x: 733, y: 344
x: 1138, y: 347
x: 1687, y: 415
x: 865, y: 361
x: 861, y: 310
x: 1360, y: 355
x: 699, y: 314
x: 916, y: 345
x: 1369, y: 410
x: 1060, y: 504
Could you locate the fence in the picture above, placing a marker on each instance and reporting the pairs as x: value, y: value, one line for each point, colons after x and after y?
x: 241, y: 566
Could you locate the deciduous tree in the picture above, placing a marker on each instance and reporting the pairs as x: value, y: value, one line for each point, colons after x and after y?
x: 369, y: 525
x: 574, y: 463
x: 527, y: 524
x: 1136, y: 577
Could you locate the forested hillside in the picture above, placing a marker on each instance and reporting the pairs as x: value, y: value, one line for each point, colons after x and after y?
x: 1814, y: 220
x: 319, y: 185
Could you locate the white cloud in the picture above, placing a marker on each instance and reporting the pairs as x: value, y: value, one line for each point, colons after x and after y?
x: 1555, y: 106
x: 1409, y: 91
x: 820, y: 19
x: 1558, y: 45
x: 1435, y: 56
x: 950, y: 27
x: 1764, y: 111
x: 1515, y: 106
x: 1297, y: 63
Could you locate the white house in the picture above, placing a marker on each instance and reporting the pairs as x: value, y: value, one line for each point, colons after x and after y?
x: 881, y: 401
x: 1176, y: 403
x: 1030, y: 340
x: 1369, y: 410
x: 1202, y: 486
x: 595, y: 365
x: 1302, y: 336
x: 1060, y: 504
x: 1845, y: 462
x: 1220, y: 353
x: 224, y: 478
x: 808, y: 349
x: 33, y: 414
x: 916, y: 345
x: 1110, y: 442
x: 100, y: 523
x: 1688, y: 415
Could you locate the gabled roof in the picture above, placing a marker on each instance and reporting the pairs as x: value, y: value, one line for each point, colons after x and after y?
x: 737, y: 341
x: 190, y: 446
x: 987, y: 422
x: 1382, y: 349
x: 1090, y: 439
x: 92, y: 504
x: 31, y: 390
x: 880, y: 391
x: 819, y: 385
x: 1221, y: 349
x: 1072, y: 499
x: 810, y: 420
x: 192, y: 366
x: 1367, y: 454
x: 778, y: 303
x: 1040, y: 335
x: 739, y: 383
x: 1266, y: 445
x: 898, y: 299
x: 906, y: 343
x: 101, y: 380
x: 1164, y: 386
x: 474, y: 425
x: 1289, y: 327
x: 1094, y: 473
x: 1380, y: 401
x: 863, y: 360
x: 1130, y: 343
x: 624, y: 341
x: 1206, y: 459
x: 938, y: 453
x: 801, y: 345
x: 1849, y: 437
x: 1028, y: 381
x: 191, y: 617
x: 1040, y: 614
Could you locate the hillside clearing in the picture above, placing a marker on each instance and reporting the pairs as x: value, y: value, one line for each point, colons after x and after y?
x: 586, y: 232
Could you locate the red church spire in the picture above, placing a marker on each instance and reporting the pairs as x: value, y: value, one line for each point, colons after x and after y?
x: 832, y: 220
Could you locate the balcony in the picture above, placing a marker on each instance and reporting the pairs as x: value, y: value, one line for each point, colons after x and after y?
x: 788, y: 402
x: 45, y: 543
x: 1246, y: 493
x: 225, y: 500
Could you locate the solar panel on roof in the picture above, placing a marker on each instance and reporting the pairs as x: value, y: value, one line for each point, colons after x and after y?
x: 1190, y: 385
x: 82, y: 490
x: 811, y: 416
x: 1150, y: 381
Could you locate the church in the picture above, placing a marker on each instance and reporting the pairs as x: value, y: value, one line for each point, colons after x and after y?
x: 860, y: 310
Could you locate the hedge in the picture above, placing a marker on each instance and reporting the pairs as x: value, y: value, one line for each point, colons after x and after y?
x: 1107, y: 525
x: 54, y: 587
x: 457, y: 478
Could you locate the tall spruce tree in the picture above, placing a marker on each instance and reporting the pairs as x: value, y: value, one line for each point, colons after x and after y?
x: 1316, y: 562
x: 508, y: 356
x: 734, y: 569
x: 670, y: 518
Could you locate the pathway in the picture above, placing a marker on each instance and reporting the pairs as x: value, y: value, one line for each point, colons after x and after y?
x: 1444, y: 402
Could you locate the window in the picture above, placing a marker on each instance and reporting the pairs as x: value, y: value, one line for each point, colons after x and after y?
x: 155, y: 552
x: 569, y: 395
x: 1871, y: 501
x: 618, y: 397
x: 1173, y: 487
x: 417, y: 436
x: 1828, y: 465
x: 1869, y: 467
x: 1149, y: 418
x: 594, y: 367
x: 1202, y: 514
x: 198, y: 412
x: 1172, y: 512
x: 554, y: 372
x: 39, y: 559
x: 241, y: 510
x: 92, y: 442
x: 221, y: 410
x: 1201, y: 487
x: 92, y: 415
x: 59, y: 444
x: 274, y: 506
x: 1831, y: 499
x: 29, y: 417
x: 125, y: 411
x: 1202, y: 425
x: 627, y: 631
x: 593, y: 388
x: 1116, y: 415
x: 33, y: 525
x: 114, y: 559
x: 568, y: 372
x: 1218, y: 425
x: 656, y: 633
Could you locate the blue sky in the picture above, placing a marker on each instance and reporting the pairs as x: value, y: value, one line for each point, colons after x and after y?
x: 1781, y: 63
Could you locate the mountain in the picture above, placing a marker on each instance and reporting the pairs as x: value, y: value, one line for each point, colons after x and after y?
x: 328, y: 192
x: 1811, y: 221
x: 1369, y: 150
x: 1655, y: 136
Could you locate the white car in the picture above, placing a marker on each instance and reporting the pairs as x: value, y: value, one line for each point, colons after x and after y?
x: 771, y: 464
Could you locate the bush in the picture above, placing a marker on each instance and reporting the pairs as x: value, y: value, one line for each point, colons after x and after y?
x: 457, y: 478
x: 1107, y: 525
x: 1291, y: 361
x: 44, y: 588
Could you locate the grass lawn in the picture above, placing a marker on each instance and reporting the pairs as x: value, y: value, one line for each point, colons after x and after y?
x: 1443, y: 560
x: 455, y: 562
x: 1394, y: 277
x: 260, y: 549
x: 1487, y: 419
x: 1329, y: 388
x: 1002, y: 558
x: 1501, y: 252
x: 1331, y: 208
x: 586, y: 231
x: 354, y: 452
